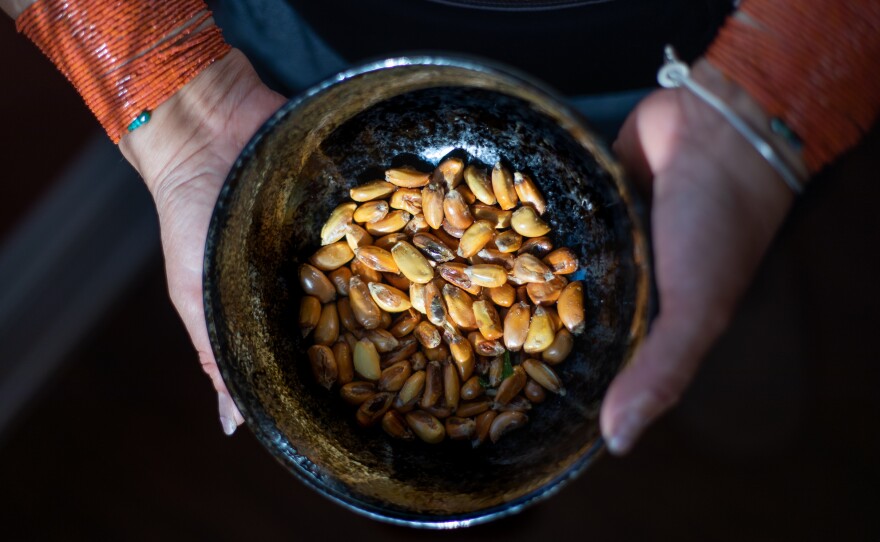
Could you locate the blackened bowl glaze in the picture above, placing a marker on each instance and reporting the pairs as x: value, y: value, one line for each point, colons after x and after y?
x: 300, y: 165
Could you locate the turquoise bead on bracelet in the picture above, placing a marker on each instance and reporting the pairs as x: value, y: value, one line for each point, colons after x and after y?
x: 139, y: 121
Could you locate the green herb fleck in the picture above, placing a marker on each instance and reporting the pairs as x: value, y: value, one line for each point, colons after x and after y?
x: 484, y: 381
x: 507, y: 370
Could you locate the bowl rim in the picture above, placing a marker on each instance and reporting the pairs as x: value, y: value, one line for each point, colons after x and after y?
x: 262, y: 425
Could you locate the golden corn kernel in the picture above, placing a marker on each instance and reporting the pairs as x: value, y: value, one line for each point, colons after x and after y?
x: 541, y: 332
x: 517, y: 404
x: 395, y: 426
x: 425, y: 426
x: 522, y: 292
x: 309, y: 314
x: 546, y: 293
x: 502, y: 187
x: 516, y: 326
x: 371, y: 211
x: 372, y: 410
x: 405, y: 323
x: 411, y: 263
x: 407, y: 347
x: 327, y: 330
x: 407, y: 177
x: 495, y: 257
x: 332, y: 256
x: 427, y: 335
x: 387, y: 241
x: 449, y: 173
x: 475, y: 238
x: 527, y: 223
x: 393, y: 222
x: 534, y: 392
x: 411, y: 390
x: 511, y: 386
x: 452, y: 230
x: 349, y: 339
x: 506, y: 422
x: 456, y: 273
x: 528, y: 268
x: 433, y: 385
x: 477, y: 180
x: 334, y: 229
x: 316, y: 283
x: 456, y: 211
x: 407, y: 199
x: 448, y: 240
x: 398, y: 280
x: 433, y: 247
x: 371, y: 190
x: 470, y: 390
x: 560, y: 348
x: 355, y: 393
x: 562, y: 261
x: 466, y: 193
x: 460, y: 306
x: 366, y: 360
x: 365, y: 310
x: 571, y: 307
x: 536, y: 246
x: 460, y: 428
x: 451, y: 385
x: 500, y: 219
x: 357, y: 237
x: 483, y: 424
x: 377, y: 259
x: 463, y: 355
x: 344, y: 363
x: 435, y: 306
x: 417, y: 224
x: 508, y: 241
x: 339, y: 278
x: 364, y: 272
x: 433, y: 196
x: 383, y: 339
x: 472, y: 408
x: 323, y: 365
x: 528, y: 192
x: 487, y: 275
x: 394, y: 376
x: 543, y: 375
x: 486, y: 348
x: 389, y: 298
x: 386, y: 320
x: 488, y: 320
x: 417, y: 297
x: 503, y: 296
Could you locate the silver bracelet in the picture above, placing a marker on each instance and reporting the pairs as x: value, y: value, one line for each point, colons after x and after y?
x: 674, y: 73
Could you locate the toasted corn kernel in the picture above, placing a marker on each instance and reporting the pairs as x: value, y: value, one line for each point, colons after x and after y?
x: 528, y: 192
x: 488, y: 320
x: 417, y: 224
x: 511, y: 386
x: 433, y: 196
x: 506, y: 422
x: 477, y: 180
x: 451, y: 385
x: 344, y: 364
x: 335, y: 227
x: 385, y: 342
x: 571, y: 307
x: 364, y: 272
x: 357, y: 237
x: 502, y: 186
x: 433, y: 247
x: 316, y: 283
x: 470, y: 390
x: 394, y: 376
x: 350, y: 340
x: 339, y: 278
x: 365, y: 310
x: 536, y: 246
x: 456, y: 211
x: 517, y: 404
x: 528, y: 268
x: 425, y: 426
x: 455, y: 273
x: 407, y: 199
x: 407, y: 177
x: 449, y: 173
x: 419, y: 361
x: 387, y: 241
x: 393, y: 222
x: 534, y: 392
x: 309, y: 314
x: 327, y: 330
x: 371, y: 190
x: 546, y: 293
x: 389, y: 298
x: 463, y: 355
x: 386, y: 321
x: 458, y: 428
x: 405, y: 323
x: 411, y: 263
x: 395, y: 426
x: 448, y: 240
x: 475, y: 238
x: 460, y: 306
x: 516, y: 326
x: 508, y: 241
x: 371, y: 211
x: 562, y: 261
x: 489, y: 348
x: 377, y: 259
x: 522, y: 293
x: 494, y: 257
x: 466, y: 193
x: 437, y: 354
x: 366, y: 360
x: 452, y: 230
x: 323, y: 365
x: 560, y: 348
x: 372, y: 410
x: 411, y: 390
x: 543, y: 375
x: 433, y: 385
x: 526, y: 222
x: 541, y: 332
x: 503, y: 296
x: 483, y: 424
x: 435, y: 306
x: 355, y: 393
x: 417, y: 297
x: 487, y: 275
x: 499, y: 219
x: 427, y: 335
x: 496, y: 371
x: 332, y: 256
x: 408, y: 346
x: 398, y: 280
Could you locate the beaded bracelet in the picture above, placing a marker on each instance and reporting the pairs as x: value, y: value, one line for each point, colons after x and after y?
x: 124, y: 57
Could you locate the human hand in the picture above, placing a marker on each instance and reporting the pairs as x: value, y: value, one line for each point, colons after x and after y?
x: 716, y: 205
x: 184, y: 154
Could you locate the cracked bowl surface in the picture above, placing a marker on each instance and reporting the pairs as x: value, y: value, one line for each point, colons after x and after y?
x: 346, y: 131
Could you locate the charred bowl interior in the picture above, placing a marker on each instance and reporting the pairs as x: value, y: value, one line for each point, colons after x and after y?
x: 415, y: 111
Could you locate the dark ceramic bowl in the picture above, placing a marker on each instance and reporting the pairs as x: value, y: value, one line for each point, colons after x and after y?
x: 300, y: 165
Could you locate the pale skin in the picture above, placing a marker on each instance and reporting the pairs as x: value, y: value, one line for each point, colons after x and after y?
x: 715, y: 207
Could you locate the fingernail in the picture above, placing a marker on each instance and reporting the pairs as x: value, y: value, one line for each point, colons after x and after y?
x: 625, y: 434
x: 229, y: 425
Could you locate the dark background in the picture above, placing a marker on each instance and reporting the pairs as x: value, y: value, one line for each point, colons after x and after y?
x: 776, y: 440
